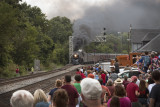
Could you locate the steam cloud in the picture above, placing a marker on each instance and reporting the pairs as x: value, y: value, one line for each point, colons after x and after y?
x: 119, y: 15
x: 91, y: 16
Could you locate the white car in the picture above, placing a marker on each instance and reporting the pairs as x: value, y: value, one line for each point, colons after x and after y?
x: 129, y: 73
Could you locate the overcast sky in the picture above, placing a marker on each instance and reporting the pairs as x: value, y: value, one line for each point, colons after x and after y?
x: 115, y: 15
x: 72, y: 9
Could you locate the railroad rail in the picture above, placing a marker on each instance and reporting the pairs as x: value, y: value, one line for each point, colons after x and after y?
x: 22, y: 78
x: 46, y: 85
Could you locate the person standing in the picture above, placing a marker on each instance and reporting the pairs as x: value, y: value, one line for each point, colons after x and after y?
x: 71, y: 90
x: 113, y: 76
x: 125, y: 82
x: 103, y: 76
x: 142, y: 98
x: 60, y: 98
x: 91, y: 92
x: 22, y: 98
x: 121, y: 94
x: 78, y: 87
x: 105, y: 92
x: 111, y: 87
x: 51, y: 93
x: 116, y: 64
x: 32, y: 70
x: 40, y: 98
x: 132, y: 91
x: 155, y: 92
x: 115, y: 102
x: 146, y: 59
x: 17, y: 71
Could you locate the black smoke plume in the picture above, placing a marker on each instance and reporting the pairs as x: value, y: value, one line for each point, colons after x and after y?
x: 117, y: 17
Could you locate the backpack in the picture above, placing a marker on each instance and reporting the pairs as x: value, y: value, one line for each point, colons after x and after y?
x: 146, y: 61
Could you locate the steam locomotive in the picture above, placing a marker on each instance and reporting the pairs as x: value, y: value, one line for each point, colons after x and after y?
x: 85, y: 58
x: 77, y: 58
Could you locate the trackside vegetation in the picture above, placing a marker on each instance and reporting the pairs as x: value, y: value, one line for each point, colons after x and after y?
x: 26, y: 34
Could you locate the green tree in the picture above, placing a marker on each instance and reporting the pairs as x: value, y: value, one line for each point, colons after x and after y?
x: 46, y: 46
x: 35, y: 17
x: 60, y: 29
x: 8, y: 23
x: 25, y: 47
x: 59, y: 54
x: 112, y: 45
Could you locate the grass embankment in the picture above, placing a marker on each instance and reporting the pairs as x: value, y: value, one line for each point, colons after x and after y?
x: 10, y: 70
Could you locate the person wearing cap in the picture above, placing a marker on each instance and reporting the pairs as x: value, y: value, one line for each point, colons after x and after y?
x: 91, y: 92
x: 118, y: 81
x: 132, y: 90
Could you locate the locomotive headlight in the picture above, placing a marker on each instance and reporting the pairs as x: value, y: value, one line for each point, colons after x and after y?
x: 75, y: 55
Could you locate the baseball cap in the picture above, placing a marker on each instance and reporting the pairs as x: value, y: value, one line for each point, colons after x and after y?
x: 133, y: 78
x: 91, y: 88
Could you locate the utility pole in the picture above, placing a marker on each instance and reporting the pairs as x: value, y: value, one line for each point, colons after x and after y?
x: 128, y: 43
x: 129, y: 38
x: 70, y: 48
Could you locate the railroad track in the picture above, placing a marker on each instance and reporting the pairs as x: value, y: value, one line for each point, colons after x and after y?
x: 22, y: 78
x: 45, y: 85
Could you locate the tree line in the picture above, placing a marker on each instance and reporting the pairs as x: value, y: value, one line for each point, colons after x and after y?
x: 26, y: 34
x: 114, y: 43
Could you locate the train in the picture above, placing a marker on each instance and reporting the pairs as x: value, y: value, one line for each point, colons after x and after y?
x: 77, y: 58
x: 80, y: 57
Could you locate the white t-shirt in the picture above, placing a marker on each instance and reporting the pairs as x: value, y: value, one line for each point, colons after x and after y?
x: 137, y: 82
x: 150, y: 87
x: 81, y: 70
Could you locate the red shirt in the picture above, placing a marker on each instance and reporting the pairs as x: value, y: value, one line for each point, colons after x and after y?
x: 72, y: 93
x: 78, y: 72
x: 111, y: 89
x: 17, y: 70
x: 105, y: 89
x: 103, y: 76
x: 131, y: 88
x: 125, y: 83
x: 83, y: 76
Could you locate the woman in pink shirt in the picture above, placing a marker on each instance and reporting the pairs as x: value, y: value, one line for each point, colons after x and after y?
x: 121, y: 94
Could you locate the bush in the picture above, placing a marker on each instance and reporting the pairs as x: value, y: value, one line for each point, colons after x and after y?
x: 10, y: 71
x: 52, y: 66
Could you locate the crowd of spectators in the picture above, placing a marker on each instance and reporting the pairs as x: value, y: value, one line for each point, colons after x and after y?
x: 94, y: 87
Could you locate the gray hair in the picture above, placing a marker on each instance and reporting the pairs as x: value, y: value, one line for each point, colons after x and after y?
x: 109, y: 82
x: 22, y: 98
